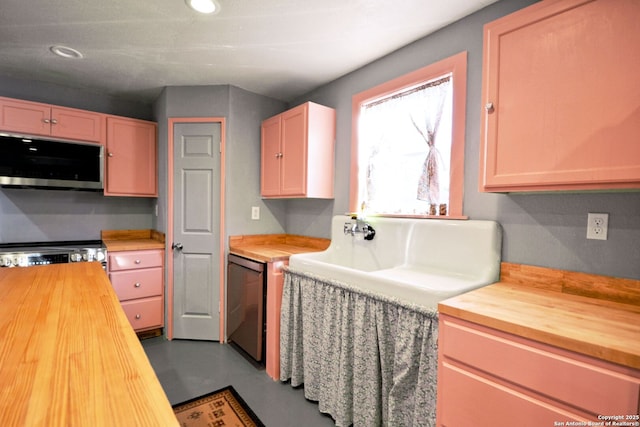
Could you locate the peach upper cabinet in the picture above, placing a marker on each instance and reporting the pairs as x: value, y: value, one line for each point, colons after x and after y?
x: 32, y: 118
x: 132, y: 160
x: 298, y: 153
x: 561, y: 99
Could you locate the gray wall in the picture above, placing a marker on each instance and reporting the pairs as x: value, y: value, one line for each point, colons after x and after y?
x: 28, y: 215
x: 244, y: 111
x: 543, y: 229
x: 50, y: 93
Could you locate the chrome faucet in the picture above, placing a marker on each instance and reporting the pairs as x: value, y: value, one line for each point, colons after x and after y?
x: 360, y: 226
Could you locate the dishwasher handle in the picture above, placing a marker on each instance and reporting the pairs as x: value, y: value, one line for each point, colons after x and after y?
x: 245, y: 262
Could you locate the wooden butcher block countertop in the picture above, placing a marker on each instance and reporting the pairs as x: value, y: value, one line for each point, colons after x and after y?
x: 132, y: 240
x: 68, y: 355
x: 594, y: 315
x: 274, y: 247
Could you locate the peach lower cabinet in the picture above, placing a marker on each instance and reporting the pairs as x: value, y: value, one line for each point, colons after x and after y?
x: 136, y: 270
x: 137, y: 277
x: 489, y: 378
x: 513, y: 354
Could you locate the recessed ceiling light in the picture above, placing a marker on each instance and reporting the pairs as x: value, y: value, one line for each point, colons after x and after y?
x: 204, y: 6
x: 66, y: 52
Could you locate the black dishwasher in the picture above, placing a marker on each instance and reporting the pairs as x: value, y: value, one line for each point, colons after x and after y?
x: 246, y: 297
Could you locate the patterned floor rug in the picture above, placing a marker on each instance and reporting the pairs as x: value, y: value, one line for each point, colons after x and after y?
x: 220, y: 408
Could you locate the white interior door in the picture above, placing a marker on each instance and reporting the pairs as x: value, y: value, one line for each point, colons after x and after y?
x: 196, y: 231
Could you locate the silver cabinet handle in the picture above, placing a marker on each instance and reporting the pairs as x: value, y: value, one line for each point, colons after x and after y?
x: 489, y: 107
x: 46, y: 120
x: 177, y: 246
x: 54, y: 122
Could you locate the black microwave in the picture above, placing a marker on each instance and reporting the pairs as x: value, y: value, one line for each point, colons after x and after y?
x: 36, y: 162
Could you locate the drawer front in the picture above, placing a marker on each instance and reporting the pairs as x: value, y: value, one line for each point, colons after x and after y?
x: 135, y: 259
x: 146, y: 313
x: 475, y: 401
x: 132, y: 284
x: 541, y: 368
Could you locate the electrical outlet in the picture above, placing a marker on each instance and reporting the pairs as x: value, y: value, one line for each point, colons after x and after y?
x: 255, y: 212
x: 597, y: 225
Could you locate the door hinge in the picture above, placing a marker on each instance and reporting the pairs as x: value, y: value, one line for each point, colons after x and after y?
x: 220, y: 146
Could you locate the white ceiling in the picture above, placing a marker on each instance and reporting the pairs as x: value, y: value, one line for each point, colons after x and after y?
x: 277, y: 48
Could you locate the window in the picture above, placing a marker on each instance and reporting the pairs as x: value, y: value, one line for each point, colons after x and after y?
x: 408, y: 143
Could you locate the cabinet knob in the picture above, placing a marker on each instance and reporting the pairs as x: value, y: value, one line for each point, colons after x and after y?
x: 137, y: 285
x: 489, y: 107
x: 279, y: 155
x: 110, y: 154
x: 137, y: 261
x: 54, y: 122
x: 137, y: 316
x: 46, y: 120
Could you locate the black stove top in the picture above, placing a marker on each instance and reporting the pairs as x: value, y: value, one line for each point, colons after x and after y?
x: 27, y: 254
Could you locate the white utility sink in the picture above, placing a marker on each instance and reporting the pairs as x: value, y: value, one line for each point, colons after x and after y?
x: 418, y: 261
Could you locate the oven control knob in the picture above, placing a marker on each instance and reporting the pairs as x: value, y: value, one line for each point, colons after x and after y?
x: 76, y: 257
x: 5, y: 262
x: 99, y: 256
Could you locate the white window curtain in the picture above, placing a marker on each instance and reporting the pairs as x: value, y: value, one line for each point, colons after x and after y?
x: 405, y: 150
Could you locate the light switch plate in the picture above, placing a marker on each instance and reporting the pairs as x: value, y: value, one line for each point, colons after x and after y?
x: 255, y: 212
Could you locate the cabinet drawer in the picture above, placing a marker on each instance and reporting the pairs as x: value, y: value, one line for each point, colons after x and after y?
x: 145, y: 313
x: 541, y: 368
x: 476, y: 401
x: 132, y: 284
x: 135, y: 259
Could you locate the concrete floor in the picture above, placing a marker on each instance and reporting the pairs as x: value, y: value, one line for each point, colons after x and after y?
x: 187, y: 369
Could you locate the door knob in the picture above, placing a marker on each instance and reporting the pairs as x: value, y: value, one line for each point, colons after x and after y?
x: 177, y: 246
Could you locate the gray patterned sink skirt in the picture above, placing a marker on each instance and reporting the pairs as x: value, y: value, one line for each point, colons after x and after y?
x: 367, y: 360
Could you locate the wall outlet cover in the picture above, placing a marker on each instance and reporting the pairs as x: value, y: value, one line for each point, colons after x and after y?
x: 597, y: 226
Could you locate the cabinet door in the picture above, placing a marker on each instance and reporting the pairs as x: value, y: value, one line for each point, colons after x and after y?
x: 24, y: 117
x: 69, y: 123
x: 560, y: 78
x: 293, y: 172
x: 270, y: 157
x: 131, y: 158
